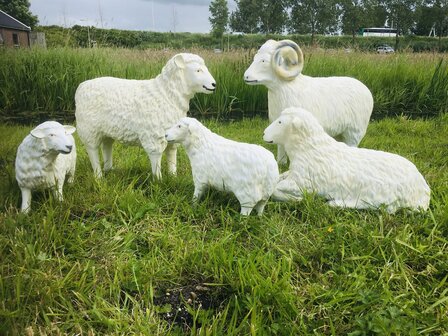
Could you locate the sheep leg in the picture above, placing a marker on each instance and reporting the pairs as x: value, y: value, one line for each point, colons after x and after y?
x: 246, y: 210
x: 260, y: 207
x: 26, y: 200
x: 57, y: 191
x: 95, y: 161
x: 199, y: 190
x: 287, y: 190
x: 352, y: 139
x: 107, y: 153
x: 156, y: 163
x: 171, y: 154
x: 71, y: 173
x: 282, y: 158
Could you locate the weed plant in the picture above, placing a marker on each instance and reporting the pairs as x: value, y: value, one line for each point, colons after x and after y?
x: 131, y: 256
x: 45, y: 81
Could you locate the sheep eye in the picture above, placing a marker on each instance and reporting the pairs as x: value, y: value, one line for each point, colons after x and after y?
x: 178, y: 126
x: 52, y: 135
x: 279, y: 121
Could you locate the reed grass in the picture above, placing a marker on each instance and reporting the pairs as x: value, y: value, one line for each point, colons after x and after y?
x: 45, y: 80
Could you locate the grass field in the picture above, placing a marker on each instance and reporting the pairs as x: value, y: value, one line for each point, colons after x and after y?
x: 128, y: 255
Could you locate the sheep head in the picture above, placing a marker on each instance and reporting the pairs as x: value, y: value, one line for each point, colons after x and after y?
x: 292, y: 121
x: 275, y: 60
x: 183, y: 131
x: 55, y: 137
x: 196, y: 75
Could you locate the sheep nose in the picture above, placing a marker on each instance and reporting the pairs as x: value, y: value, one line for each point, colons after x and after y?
x: 166, y: 136
x: 69, y: 147
x: 214, y: 84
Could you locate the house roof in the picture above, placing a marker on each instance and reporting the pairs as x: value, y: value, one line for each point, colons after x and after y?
x: 7, y: 21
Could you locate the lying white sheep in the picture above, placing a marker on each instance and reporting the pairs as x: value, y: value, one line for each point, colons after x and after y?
x: 346, y: 176
x: 248, y: 171
x: 139, y: 111
x: 44, y: 158
x: 342, y: 105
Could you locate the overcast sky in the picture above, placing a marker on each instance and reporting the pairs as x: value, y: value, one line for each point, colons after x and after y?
x: 157, y: 15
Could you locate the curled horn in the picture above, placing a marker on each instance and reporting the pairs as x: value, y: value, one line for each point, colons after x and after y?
x: 287, y: 60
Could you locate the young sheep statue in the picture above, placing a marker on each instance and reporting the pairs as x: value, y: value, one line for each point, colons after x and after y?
x: 44, y: 158
x: 139, y: 111
x: 346, y: 176
x: 342, y: 105
x: 248, y: 171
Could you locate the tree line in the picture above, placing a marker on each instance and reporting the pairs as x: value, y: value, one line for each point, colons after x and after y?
x: 418, y: 17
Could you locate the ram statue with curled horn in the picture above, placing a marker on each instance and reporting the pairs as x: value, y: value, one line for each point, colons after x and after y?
x: 342, y: 105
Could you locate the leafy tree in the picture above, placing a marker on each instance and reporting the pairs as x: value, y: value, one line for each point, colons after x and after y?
x: 400, y: 15
x: 357, y: 14
x: 219, y: 17
x: 354, y: 16
x: 314, y: 16
x: 20, y: 10
x: 441, y: 18
x: 433, y: 14
x: 272, y: 16
x: 376, y: 13
x: 246, y: 17
x: 425, y: 18
x: 259, y: 16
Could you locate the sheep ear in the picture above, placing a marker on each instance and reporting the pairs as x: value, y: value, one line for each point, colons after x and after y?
x: 69, y: 129
x: 38, y: 133
x: 179, y: 61
x: 192, y: 127
x: 296, y: 123
x: 287, y: 60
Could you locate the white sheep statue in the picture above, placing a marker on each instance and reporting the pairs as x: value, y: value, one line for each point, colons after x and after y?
x: 139, y: 111
x: 44, y: 159
x: 346, y: 176
x: 342, y: 105
x: 249, y: 171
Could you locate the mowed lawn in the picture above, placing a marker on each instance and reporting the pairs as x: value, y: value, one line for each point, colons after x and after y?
x: 131, y: 256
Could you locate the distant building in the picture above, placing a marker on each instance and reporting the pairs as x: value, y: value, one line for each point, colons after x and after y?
x: 13, y: 33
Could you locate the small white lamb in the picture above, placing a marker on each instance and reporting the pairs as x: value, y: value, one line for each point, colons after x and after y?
x: 138, y: 112
x: 248, y: 171
x: 346, y: 176
x: 342, y: 105
x: 44, y: 158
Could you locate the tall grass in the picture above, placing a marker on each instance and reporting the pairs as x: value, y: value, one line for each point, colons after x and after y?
x: 46, y: 80
x: 123, y: 256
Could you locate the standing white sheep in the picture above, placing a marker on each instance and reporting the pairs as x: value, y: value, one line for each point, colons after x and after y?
x: 342, y: 105
x: 346, y: 176
x: 44, y: 158
x: 248, y: 171
x: 139, y: 111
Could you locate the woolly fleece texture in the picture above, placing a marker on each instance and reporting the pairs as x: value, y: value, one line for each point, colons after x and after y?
x: 346, y: 176
x: 139, y: 112
x: 44, y: 158
x: 248, y: 171
x: 342, y: 105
